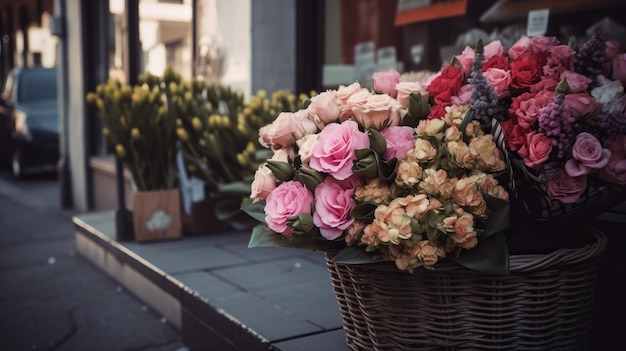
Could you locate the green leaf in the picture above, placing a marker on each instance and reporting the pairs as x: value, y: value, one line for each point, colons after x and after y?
x: 490, y: 256
x: 456, y: 63
x: 419, y: 107
x: 254, y: 210
x: 262, y: 236
x: 366, y: 163
x: 469, y: 116
x: 309, y: 177
x: 363, y: 211
x: 387, y: 169
x: 240, y: 188
x: 282, y: 170
x: 227, y: 208
x: 377, y: 141
x: 355, y: 255
x: 499, y: 219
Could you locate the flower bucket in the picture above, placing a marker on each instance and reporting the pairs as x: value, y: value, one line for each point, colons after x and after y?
x: 156, y: 215
x: 545, y: 303
x: 201, y: 219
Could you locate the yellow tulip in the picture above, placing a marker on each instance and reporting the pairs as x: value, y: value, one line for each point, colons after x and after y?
x: 121, y: 152
x: 250, y: 148
x: 241, y: 159
x: 182, y: 134
x: 134, y: 133
x: 196, y: 123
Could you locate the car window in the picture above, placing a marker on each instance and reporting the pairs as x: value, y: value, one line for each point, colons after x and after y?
x: 37, y: 85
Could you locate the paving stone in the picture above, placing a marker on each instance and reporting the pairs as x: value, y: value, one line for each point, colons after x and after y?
x: 264, y: 318
x: 314, y: 301
x: 207, y: 285
x: 192, y: 258
x: 279, y: 273
x: 328, y: 341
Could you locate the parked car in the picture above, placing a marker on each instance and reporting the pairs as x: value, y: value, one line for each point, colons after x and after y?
x: 29, y: 122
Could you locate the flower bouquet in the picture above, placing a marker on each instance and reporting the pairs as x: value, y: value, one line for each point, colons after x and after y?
x: 566, y: 131
x: 387, y: 175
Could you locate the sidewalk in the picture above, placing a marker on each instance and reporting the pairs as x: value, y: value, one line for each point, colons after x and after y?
x: 222, y: 295
x: 51, y: 298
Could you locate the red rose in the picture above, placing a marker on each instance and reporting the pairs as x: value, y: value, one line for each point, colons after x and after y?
x: 437, y: 111
x: 446, y: 85
x: 496, y: 62
x: 525, y: 72
x: 526, y: 107
x: 514, y: 134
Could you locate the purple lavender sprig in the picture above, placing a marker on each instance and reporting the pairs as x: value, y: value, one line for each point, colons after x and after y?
x: 556, y: 122
x: 590, y: 57
x: 609, y: 123
x: 484, y: 99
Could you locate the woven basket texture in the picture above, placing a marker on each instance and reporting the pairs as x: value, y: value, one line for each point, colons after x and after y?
x: 545, y: 303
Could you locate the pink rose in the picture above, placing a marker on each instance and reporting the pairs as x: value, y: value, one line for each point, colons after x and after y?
x: 465, y: 58
x: 544, y: 84
x: 613, y: 48
x: 582, y: 105
x: 288, y: 199
x: 263, y: 184
x: 385, y: 82
x: 399, y: 141
x: 536, y: 151
x: 334, y: 152
x: 619, y: 68
x: 333, y: 203
x: 404, y: 91
x: 540, y: 44
x: 500, y: 80
x: 577, y: 82
x: 561, y: 55
x: 286, y: 129
x: 566, y: 189
x: 587, y: 154
x: 379, y: 111
x: 284, y: 154
x: 615, y: 170
x: 344, y: 92
x: 325, y: 107
x: 463, y: 96
x: 492, y: 49
x: 520, y: 48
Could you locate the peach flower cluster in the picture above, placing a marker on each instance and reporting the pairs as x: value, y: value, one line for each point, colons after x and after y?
x: 437, y: 201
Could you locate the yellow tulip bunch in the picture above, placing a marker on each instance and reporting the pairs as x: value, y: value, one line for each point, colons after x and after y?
x: 140, y: 130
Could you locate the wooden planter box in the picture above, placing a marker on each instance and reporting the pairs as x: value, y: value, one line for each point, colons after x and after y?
x: 156, y: 215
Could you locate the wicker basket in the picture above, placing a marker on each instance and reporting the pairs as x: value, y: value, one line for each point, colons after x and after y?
x: 598, y: 197
x: 545, y: 303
